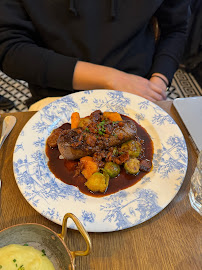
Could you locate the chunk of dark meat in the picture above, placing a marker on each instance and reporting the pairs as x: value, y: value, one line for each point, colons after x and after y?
x: 52, y: 139
x: 77, y: 143
x: 145, y: 165
x: 96, y: 115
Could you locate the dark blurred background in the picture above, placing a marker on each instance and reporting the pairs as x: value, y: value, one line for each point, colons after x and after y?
x: 192, y: 61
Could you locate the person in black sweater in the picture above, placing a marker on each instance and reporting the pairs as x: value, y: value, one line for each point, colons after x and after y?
x: 60, y: 47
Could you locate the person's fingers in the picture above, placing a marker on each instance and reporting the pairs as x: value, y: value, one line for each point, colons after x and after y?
x: 155, y: 87
x: 150, y: 98
x: 163, y: 94
x: 147, y: 93
x: 147, y: 97
x: 158, y: 89
x: 155, y: 95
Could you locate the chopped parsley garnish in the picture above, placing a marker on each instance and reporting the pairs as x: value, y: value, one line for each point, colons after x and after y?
x: 44, y: 253
x: 14, y: 260
x: 25, y: 245
x: 101, y: 128
x: 101, y: 123
x: 0, y: 266
x: 21, y: 267
x: 87, y: 129
x: 100, y: 132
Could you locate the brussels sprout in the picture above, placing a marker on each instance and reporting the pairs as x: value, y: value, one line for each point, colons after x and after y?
x: 132, y: 147
x: 132, y: 166
x: 112, y: 169
x: 98, y: 182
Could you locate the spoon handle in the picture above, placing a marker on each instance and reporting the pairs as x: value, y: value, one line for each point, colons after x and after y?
x: 8, y: 124
x: 2, y: 140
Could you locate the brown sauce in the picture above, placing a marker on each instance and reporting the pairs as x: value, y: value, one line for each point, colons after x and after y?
x: 65, y: 170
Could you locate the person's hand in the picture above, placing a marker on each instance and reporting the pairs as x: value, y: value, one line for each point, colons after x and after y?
x: 160, y: 80
x: 149, y: 89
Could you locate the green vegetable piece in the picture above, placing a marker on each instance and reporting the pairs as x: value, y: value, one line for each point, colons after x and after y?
x: 21, y: 267
x: 132, y: 166
x: 44, y: 253
x: 132, y: 147
x: 112, y: 169
x: 100, y: 132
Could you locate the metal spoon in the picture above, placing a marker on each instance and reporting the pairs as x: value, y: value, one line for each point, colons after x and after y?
x: 8, y: 124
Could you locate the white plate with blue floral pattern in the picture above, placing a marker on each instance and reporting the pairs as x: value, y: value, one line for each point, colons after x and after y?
x: 52, y: 198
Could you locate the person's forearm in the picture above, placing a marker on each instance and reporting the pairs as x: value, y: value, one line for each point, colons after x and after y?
x: 92, y: 76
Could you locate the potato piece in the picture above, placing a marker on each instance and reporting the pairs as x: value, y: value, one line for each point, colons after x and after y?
x: 132, y: 166
x: 98, y: 182
x: 75, y: 118
x: 90, y: 166
x: 113, y: 116
x: 84, y: 122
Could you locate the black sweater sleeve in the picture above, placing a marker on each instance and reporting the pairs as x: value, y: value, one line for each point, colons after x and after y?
x: 173, y: 19
x: 23, y: 57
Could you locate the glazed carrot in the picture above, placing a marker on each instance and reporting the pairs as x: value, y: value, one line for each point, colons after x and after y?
x: 86, y: 159
x: 113, y: 116
x: 90, y: 166
x: 75, y: 118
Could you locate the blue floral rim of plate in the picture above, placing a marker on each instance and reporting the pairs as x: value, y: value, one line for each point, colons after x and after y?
x: 124, y: 209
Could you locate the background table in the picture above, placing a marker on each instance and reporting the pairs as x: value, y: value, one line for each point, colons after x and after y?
x: 170, y: 240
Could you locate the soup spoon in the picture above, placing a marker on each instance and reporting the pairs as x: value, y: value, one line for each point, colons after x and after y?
x: 8, y: 124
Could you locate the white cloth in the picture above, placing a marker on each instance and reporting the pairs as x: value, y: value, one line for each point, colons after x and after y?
x: 42, y: 103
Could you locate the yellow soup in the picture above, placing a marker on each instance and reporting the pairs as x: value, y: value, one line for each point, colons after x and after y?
x: 23, y: 258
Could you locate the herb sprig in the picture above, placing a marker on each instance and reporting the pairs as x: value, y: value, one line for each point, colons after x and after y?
x: 101, y: 128
x: 43, y: 252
